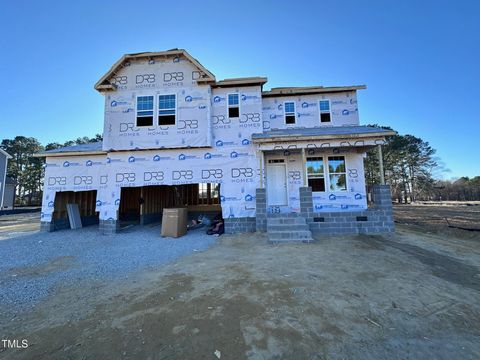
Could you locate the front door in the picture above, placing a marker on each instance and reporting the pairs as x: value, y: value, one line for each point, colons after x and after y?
x: 276, y: 184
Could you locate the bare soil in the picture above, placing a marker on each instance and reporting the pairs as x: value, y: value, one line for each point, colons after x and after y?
x: 414, y: 294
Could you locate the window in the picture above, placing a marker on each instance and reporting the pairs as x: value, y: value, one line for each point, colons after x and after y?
x: 325, y: 115
x: 337, y: 173
x: 208, y: 193
x: 315, y: 173
x: 233, y: 106
x: 289, y: 112
x: 145, y: 111
x: 166, y: 109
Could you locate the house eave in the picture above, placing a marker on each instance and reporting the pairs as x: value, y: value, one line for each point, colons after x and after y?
x: 312, y: 90
x: 285, y: 139
x: 69, y: 153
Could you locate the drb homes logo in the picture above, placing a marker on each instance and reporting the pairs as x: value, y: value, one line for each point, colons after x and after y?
x: 307, y: 104
x: 68, y: 164
x: 235, y: 154
x: 115, y: 103
x: 158, y: 158
x: 208, y: 156
x: 190, y: 98
x: 185, y: 157
x: 217, y: 99
x: 212, y: 173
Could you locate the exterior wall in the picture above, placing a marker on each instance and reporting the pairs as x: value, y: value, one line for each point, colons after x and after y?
x: 343, y: 108
x: 8, y: 196
x: 173, y: 75
x: 352, y: 199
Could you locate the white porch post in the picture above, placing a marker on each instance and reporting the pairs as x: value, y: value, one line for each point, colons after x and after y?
x: 380, y: 164
x: 304, y: 168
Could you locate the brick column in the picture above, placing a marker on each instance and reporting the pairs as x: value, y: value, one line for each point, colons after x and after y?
x: 306, y: 204
x: 109, y: 227
x: 261, y: 212
x: 47, y: 226
x: 382, y: 205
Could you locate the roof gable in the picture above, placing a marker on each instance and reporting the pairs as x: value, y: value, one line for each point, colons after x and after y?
x: 104, y: 83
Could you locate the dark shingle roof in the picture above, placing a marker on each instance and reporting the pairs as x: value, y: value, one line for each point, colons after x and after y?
x: 95, y: 146
x: 322, y: 131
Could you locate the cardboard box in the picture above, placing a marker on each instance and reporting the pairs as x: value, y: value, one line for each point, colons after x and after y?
x: 174, y: 222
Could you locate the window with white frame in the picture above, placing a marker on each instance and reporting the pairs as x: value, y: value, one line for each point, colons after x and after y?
x: 337, y: 173
x: 233, y: 106
x: 144, y: 110
x: 325, y: 114
x: 316, y: 173
x: 289, y: 109
x: 167, y: 109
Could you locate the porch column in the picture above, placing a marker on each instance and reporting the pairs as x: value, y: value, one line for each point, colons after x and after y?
x: 304, y: 168
x: 260, y: 166
x: 380, y: 164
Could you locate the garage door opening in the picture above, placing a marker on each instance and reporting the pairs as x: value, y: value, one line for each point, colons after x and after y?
x: 144, y: 205
x: 86, y: 205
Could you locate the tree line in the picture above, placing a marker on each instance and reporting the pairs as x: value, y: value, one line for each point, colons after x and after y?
x: 26, y: 170
x: 410, y: 167
x: 409, y: 162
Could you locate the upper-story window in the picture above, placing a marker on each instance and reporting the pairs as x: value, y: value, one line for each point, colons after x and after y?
x: 337, y: 173
x: 316, y: 173
x: 233, y: 106
x: 289, y: 112
x: 325, y: 114
x: 167, y: 109
x: 144, y: 110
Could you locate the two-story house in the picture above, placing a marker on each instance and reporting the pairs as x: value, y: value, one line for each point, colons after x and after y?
x: 175, y: 136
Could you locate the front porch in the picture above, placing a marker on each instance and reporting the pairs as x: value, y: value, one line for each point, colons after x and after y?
x: 378, y: 218
x: 316, y: 176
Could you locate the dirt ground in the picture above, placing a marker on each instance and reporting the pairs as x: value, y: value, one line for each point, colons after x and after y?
x: 414, y: 294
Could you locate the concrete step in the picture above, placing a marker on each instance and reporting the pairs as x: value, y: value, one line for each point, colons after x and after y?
x: 286, y: 220
x: 295, y: 236
x: 287, y: 227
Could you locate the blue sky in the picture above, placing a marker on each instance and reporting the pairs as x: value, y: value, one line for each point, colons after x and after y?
x: 419, y: 59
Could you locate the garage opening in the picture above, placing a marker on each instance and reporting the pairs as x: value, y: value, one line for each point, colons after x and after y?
x: 86, y: 205
x: 144, y: 205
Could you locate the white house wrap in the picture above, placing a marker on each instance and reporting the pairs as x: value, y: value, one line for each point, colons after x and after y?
x: 169, y: 122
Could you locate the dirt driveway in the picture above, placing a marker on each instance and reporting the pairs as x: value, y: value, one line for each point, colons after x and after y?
x: 410, y: 295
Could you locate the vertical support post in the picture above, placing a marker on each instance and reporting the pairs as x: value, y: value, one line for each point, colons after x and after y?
x: 304, y: 168
x: 260, y: 167
x: 380, y: 165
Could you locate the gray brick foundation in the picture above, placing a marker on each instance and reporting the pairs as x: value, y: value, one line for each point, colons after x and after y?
x: 62, y: 224
x: 108, y: 227
x: 377, y: 219
x: 261, y: 212
x: 240, y: 225
x: 47, y: 226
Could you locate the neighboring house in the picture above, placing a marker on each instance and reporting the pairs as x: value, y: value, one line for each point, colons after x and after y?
x: 175, y: 136
x: 9, y: 194
x: 4, y: 156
